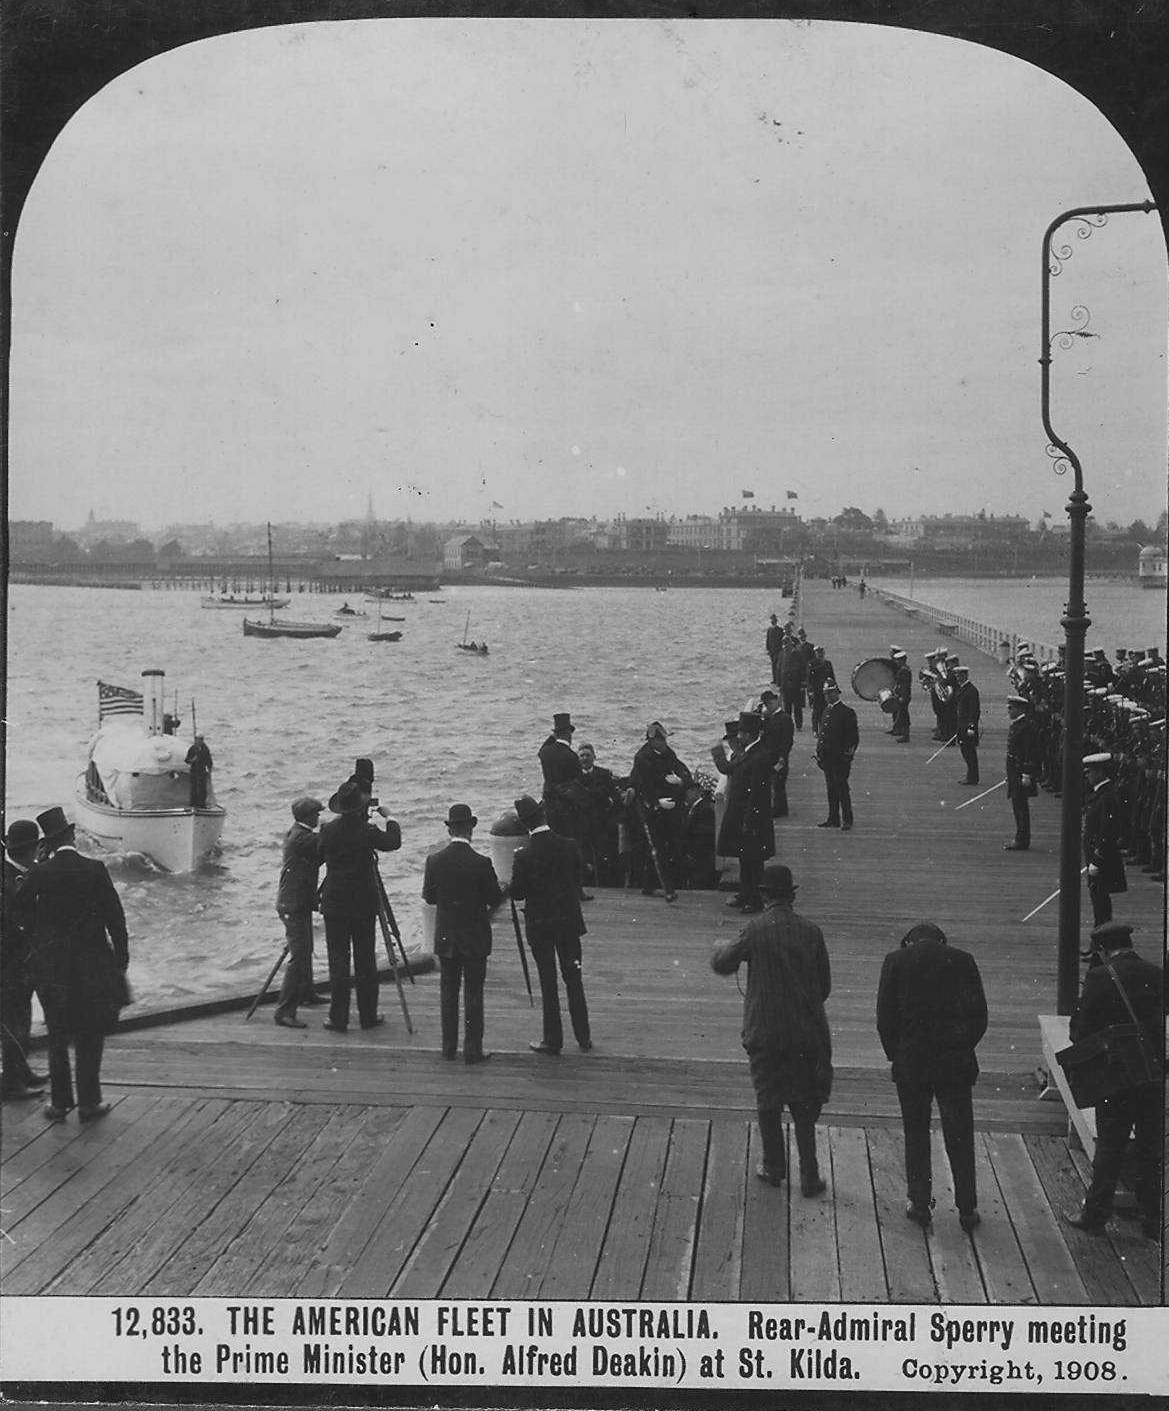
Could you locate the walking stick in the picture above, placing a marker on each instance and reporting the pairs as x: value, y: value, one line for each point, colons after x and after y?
x: 519, y: 940
x: 1052, y: 897
x: 671, y: 895
x: 983, y: 795
x: 392, y: 920
x: 946, y: 746
x: 268, y: 981
x: 385, y: 925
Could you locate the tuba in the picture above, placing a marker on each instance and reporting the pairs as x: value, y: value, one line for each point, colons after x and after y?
x: 873, y: 680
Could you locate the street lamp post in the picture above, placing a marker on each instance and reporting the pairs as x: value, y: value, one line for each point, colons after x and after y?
x: 1075, y: 620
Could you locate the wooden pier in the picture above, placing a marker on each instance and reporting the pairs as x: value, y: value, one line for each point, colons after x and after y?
x: 245, y: 1159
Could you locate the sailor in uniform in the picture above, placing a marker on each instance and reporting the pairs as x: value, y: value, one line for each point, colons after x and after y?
x: 1023, y: 764
x: 836, y: 745
x: 967, y: 715
x: 902, y: 694
x: 1102, y: 851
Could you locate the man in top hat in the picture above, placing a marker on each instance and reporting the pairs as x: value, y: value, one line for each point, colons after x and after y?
x: 16, y: 988
x: 545, y: 876
x: 785, y: 1029
x: 657, y: 784
x: 902, y: 695
x: 1101, y: 837
x: 931, y: 1015
x: 296, y: 895
x: 462, y: 885
x: 836, y: 745
x: 350, y: 900
x: 747, y: 830
x: 200, y: 763
x: 1136, y: 1110
x: 967, y: 716
x: 778, y: 733
x: 561, y: 765
x: 1023, y: 765
x: 78, y: 956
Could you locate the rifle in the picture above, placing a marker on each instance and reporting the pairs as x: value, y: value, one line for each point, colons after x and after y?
x: 383, y: 915
x: 268, y: 981
x: 670, y: 894
x: 519, y: 940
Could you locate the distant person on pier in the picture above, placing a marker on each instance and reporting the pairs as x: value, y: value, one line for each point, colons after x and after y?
x: 1101, y: 837
x: 16, y: 988
x: 747, y: 830
x: 350, y: 900
x: 462, y: 885
x: 779, y: 733
x: 967, y: 717
x: 78, y: 957
x: 931, y: 1015
x: 200, y: 763
x: 657, y: 786
x: 774, y: 644
x: 1023, y: 765
x: 820, y: 672
x: 785, y: 1029
x: 902, y: 695
x: 836, y: 745
x: 1137, y: 1110
x: 546, y: 878
x: 792, y: 677
x: 296, y: 895
x: 862, y: 587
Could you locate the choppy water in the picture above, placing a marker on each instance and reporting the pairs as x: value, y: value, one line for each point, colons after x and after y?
x: 284, y: 718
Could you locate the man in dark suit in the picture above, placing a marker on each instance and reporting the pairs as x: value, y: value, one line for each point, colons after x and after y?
x: 968, y: 714
x: 200, y: 762
x: 931, y: 1014
x: 296, y: 895
x: 546, y: 877
x: 1023, y: 766
x: 462, y: 885
x: 561, y: 766
x: 747, y: 830
x: 599, y: 819
x: 902, y: 695
x: 78, y: 955
x: 658, y: 783
x: 1101, y: 836
x: 350, y: 898
x: 792, y: 676
x: 836, y: 745
x: 774, y: 643
x: 778, y: 735
x: 819, y: 673
x: 16, y: 988
x: 1136, y: 1110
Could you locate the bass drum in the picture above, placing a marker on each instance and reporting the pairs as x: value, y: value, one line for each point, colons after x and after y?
x: 873, y: 680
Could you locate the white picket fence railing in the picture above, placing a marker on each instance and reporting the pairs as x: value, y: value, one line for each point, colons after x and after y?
x: 996, y: 642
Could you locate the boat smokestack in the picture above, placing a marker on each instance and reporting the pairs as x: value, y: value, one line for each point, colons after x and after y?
x: 153, y: 688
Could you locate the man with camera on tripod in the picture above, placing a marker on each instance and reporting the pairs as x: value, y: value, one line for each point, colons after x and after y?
x: 350, y: 897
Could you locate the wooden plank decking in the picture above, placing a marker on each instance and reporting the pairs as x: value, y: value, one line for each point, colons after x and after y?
x: 245, y: 1159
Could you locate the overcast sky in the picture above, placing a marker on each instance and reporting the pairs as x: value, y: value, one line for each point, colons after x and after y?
x: 577, y: 267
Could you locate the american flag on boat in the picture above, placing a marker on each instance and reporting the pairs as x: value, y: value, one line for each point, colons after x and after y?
x: 117, y: 700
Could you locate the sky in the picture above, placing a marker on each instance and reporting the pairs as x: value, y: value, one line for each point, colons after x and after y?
x: 529, y: 268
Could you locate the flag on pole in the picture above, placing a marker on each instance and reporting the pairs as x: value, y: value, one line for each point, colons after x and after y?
x: 791, y: 494
x: 1046, y: 514
x: 748, y: 494
x: 117, y: 700
x: 495, y: 505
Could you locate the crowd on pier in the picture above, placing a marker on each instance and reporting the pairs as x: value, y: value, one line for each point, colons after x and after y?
x: 653, y: 825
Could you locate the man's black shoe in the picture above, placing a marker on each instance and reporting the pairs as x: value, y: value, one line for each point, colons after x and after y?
x: 335, y: 1028
x: 375, y: 1023
x: 1016, y: 847
x: 647, y: 891
x: 920, y: 1214
x: 289, y: 1021
x: 450, y: 1053
x: 829, y: 823
x: 91, y: 1114
x: 765, y: 1173
x: 817, y: 1186
x: 969, y: 1220
x: 1090, y: 1224
x: 476, y: 1057
x: 586, y: 896
x: 311, y: 1001
x: 845, y: 827
x: 545, y: 1049
x: 585, y: 1045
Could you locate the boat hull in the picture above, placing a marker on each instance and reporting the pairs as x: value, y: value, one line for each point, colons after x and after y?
x: 290, y: 629
x: 177, y: 839
x: 244, y: 603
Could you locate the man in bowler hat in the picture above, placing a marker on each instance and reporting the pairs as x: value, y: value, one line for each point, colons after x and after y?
x: 350, y: 898
x: 296, y: 895
x: 16, y: 988
x: 546, y: 877
x: 785, y: 1029
x: 461, y: 884
x: 78, y: 955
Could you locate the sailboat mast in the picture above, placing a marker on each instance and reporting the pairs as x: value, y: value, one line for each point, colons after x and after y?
x: 465, y: 626
x: 271, y: 579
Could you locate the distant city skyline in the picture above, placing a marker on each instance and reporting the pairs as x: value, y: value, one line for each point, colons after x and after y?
x: 544, y: 268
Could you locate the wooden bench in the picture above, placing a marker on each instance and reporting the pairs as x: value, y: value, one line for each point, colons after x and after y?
x: 1053, y: 1033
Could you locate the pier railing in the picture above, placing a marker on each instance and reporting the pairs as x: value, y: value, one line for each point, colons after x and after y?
x: 996, y: 642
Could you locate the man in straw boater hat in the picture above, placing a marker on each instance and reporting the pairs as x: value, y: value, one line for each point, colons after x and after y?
x: 1137, y: 1110
x: 461, y: 884
x: 785, y: 1029
x: 350, y: 898
x: 1101, y: 836
x: 78, y: 956
x: 1023, y: 765
x: 545, y: 876
x: 931, y: 1015
x: 16, y: 987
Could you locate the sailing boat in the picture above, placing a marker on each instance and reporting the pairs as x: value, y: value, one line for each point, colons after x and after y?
x: 378, y: 635
x: 465, y: 646
x: 284, y: 628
